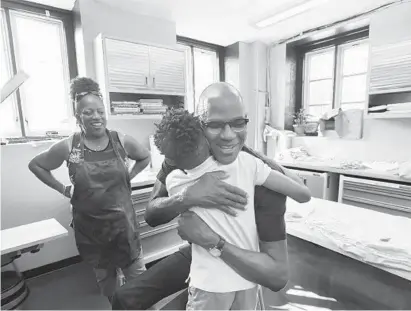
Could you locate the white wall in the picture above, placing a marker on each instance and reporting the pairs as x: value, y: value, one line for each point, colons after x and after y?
x: 277, y: 81
x: 383, y: 140
x: 121, y: 22
x: 246, y: 68
x: 24, y: 199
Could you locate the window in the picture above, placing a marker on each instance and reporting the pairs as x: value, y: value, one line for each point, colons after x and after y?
x: 9, y: 118
x: 335, y: 77
x: 37, y: 45
x: 202, y: 69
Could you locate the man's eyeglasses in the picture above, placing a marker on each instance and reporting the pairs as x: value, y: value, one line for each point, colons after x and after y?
x: 79, y: 96
x: 236, y: 125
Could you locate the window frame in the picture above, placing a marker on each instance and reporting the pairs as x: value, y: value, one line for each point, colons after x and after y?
x: 306, y: 71
x: 205, y: 46
x: 10, y: 72
x: 303, y: 47
x: 339, y: 71
x: 40, y: 11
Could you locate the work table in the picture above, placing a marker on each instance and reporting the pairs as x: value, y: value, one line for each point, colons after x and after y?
x: 145, y: 178
x: 335, y: 168
x: 375, y: 238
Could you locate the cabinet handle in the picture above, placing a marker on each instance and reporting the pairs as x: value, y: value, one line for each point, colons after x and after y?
x: 146, y: 81
x: 154, y: 81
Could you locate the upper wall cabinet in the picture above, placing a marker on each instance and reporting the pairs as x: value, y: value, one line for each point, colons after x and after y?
x: 129, y: 67
x: 167, y: 69
x: 390, y: 38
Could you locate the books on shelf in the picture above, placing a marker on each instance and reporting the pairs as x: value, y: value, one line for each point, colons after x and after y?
x: 152, y: 106
x: 142, y: 107
x: 118, y: 107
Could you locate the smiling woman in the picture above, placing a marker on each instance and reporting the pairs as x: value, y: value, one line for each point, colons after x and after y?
x: 104, y: 221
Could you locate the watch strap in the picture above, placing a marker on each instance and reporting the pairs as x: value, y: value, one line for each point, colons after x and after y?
x: 220, y: 244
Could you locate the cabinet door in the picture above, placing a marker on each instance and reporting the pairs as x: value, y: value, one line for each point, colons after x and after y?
x: 127, y: 66
x: 390, y: 38
x: 167, y: 69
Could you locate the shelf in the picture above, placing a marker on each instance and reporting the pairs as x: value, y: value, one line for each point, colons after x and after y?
x: 145, y: 91
x: 385, y: 115
x: 135, y: 117
x: 390, y: 91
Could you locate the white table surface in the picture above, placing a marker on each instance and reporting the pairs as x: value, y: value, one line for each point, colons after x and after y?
x: 145, y: 178
x: 324, y: 167
x: 369, y: 224
x: 17, y: 238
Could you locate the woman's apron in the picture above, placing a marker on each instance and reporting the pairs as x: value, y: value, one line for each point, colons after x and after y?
x: 104, y: 221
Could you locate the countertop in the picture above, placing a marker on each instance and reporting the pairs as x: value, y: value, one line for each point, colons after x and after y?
x: 145, y: 178
x: 356, y: 232
x: 334, y: 168
x: 18, y: 238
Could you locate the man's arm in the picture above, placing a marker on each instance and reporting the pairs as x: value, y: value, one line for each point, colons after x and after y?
x: 268, y: 268
x: 208, y: 192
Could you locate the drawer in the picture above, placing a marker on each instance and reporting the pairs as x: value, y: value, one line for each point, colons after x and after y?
x: 160, y: 239
x: 375, y: 206
x: 140, y: 215
x: 140, y: 198
x: 146, y: 228
x: 381, y: 196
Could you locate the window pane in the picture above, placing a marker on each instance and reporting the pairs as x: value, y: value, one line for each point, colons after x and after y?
x: 354, y: 88
x: 318, y: 111
x: 321, y: 65
x: 9, y: 124
x: 320, y: 93
x: 42, y: 53
x: 352, y: 106
x: 355, y: 59
x: 205, y: 70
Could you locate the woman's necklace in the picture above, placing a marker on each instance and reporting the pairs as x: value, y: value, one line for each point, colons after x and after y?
x: 101, y: 146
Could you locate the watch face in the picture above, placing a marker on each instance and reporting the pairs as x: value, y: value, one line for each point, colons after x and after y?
x: 215, y: 252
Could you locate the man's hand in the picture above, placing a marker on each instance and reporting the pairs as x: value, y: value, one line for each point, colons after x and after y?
x: 211, y: 192
x: 193, y: 229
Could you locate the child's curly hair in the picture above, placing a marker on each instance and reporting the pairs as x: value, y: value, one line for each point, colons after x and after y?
x: 178, y: 134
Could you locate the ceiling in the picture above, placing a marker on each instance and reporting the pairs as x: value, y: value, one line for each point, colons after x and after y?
x: 224, y: 22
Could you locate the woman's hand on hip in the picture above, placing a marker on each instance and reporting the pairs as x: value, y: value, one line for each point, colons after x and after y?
x: 210, y: 191
x: 193, y: 229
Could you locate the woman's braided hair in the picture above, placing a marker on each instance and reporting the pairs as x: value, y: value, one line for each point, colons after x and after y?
x: 178, y: 134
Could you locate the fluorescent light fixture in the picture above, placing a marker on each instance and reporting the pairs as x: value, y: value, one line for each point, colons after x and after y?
x: 289, y: 13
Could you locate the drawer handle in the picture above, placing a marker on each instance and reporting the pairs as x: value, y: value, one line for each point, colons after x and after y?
x: 376, y: 203
x: 379, y: 191
x: 157, y: 231
x: 140, y: 212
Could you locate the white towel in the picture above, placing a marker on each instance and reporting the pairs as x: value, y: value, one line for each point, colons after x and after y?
x: 402, y: 106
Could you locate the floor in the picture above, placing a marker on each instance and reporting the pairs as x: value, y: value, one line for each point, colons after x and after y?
x: 319, y: 280
x: 74, y: 288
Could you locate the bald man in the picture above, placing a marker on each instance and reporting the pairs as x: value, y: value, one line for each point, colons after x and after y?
x: 221, y: 109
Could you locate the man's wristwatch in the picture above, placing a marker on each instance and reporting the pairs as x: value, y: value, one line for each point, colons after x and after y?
x: 216, y: 250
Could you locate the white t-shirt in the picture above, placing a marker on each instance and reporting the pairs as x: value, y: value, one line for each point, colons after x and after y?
x: 209, y: 273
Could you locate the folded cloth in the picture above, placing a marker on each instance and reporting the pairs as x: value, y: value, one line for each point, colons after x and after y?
x: 402, y: 106
x: 392, y: 253
x: 378, y: 108
x: 399, y: 111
